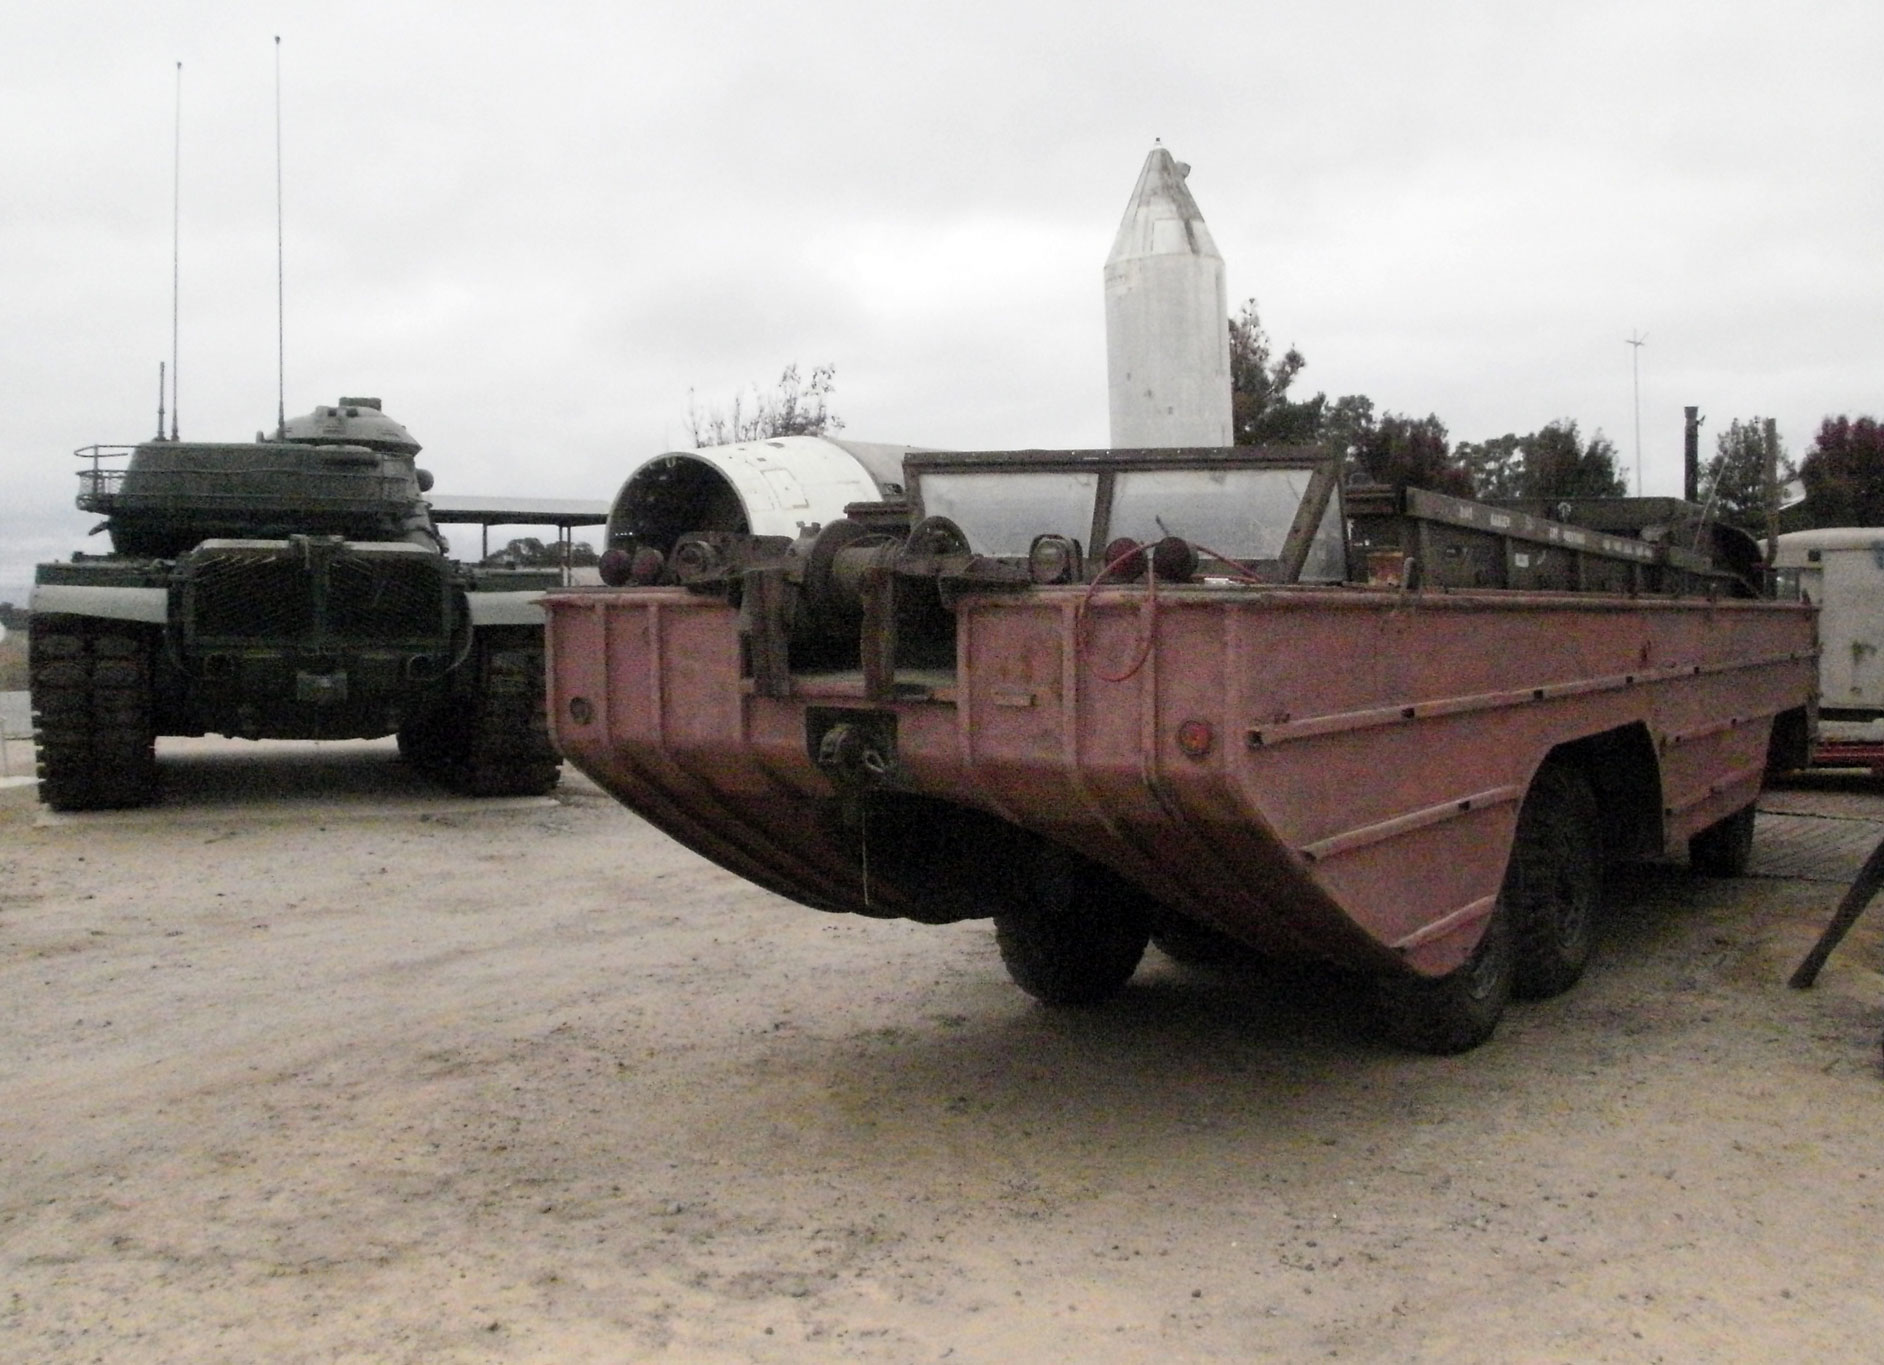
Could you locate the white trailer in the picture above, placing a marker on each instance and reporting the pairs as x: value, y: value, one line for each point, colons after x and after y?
x: 1841, y: 571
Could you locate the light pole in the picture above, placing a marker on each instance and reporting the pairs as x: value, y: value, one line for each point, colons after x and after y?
x: 1635, y: 367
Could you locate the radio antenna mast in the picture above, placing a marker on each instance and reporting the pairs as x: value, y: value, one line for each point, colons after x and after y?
x: 176, y: 199
x: 281, y: 323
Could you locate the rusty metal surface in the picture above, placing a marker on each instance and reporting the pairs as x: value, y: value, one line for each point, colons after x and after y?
x: 1357, y: 803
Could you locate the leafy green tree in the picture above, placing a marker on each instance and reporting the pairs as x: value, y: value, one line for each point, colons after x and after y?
x: 1260, y: 408
x: 1407, y: 451
x: 794, y: 407
x: 1558, y: 465
x: 1733, y: 484
x: 1844, y: 473
x: 1348, y: 422
x: 531, y: 553
x: 1496, y: 466
x: 1401, y: 450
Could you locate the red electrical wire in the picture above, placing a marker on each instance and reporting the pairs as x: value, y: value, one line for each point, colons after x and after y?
x: 1237, y: 575
x: 1151, y: 626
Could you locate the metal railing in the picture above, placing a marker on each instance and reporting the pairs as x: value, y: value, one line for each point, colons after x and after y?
x: 288, y: 483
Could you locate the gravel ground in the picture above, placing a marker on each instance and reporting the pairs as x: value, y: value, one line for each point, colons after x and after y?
x: 313, y: 1064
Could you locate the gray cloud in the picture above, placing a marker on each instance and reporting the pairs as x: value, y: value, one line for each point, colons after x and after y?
x: 532, y: 234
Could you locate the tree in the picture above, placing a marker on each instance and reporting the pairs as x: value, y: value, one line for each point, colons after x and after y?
x: 531, y: 553
x: 795, y: 407
x: 1260, y: 409
x: 1400, y: 450
x: 1496, y: 466
x: 1558, y: 465
x: 1412, y: 451
x: 1844, y: 473
x: 1348, y: 422
x: 1733, y: 485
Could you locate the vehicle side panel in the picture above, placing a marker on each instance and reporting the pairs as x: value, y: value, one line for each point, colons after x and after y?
x: 1367, y: 750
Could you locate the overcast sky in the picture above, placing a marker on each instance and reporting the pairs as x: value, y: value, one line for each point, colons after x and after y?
x: 533, y: 233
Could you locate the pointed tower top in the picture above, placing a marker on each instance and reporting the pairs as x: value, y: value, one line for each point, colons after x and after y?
x: 1162, y: 218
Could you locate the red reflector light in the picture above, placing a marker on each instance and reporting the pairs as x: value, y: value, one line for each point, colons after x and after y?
x: 1196, y: 738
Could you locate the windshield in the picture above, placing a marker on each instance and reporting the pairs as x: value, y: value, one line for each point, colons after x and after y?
x: 1242, y: 514
x: 1001, y: 511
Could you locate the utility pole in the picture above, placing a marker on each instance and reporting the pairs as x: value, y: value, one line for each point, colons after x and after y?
x: 1635, y: 341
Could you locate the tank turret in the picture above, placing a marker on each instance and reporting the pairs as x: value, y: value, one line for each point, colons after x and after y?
x: 343, y: 471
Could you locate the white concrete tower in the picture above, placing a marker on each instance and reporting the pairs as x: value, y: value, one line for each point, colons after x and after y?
x: 1167, y: 319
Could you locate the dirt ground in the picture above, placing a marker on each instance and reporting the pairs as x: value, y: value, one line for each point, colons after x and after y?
x: 313, y: 1064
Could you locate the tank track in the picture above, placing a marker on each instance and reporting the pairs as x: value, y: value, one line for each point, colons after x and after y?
x: 93, y: 728
x: 493, y: 739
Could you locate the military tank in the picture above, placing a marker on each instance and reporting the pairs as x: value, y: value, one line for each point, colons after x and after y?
x: 292, y: 587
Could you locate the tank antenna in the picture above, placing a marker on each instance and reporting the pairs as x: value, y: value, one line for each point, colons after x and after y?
x: 281, y: 324
x: 160, y: 400
x: 176, y: 200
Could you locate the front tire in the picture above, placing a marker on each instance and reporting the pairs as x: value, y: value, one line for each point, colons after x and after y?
x: 1442, y: 1015
x: 1078, y: 935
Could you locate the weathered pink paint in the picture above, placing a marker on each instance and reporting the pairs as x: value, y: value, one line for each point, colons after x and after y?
x: 1365, y: 755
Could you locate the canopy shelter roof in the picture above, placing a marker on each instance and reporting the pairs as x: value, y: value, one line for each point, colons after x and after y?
x: 465, y: 510
x: 562, y: 513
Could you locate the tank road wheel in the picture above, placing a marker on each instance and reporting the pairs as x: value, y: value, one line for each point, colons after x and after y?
x: 1724, y: 848
x: 1553, y: 883
x: 93, y: 727
x: 1455, y: 1012
x: 493, y: 740
x: 508, y: 750
x: 420, y: 740
x: 1079, y: 935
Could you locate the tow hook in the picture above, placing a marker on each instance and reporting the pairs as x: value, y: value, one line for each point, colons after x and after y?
x: 851, y: 755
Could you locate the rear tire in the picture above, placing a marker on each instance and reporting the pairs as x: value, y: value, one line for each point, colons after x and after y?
x: 1079, y: 934
x: 1442, y: 1015
x: 1724, y: 848
x: 94, y: 730
x: 1553, y: 883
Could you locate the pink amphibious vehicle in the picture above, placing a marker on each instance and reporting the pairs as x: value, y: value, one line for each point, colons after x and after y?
x: 1394, y: 731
